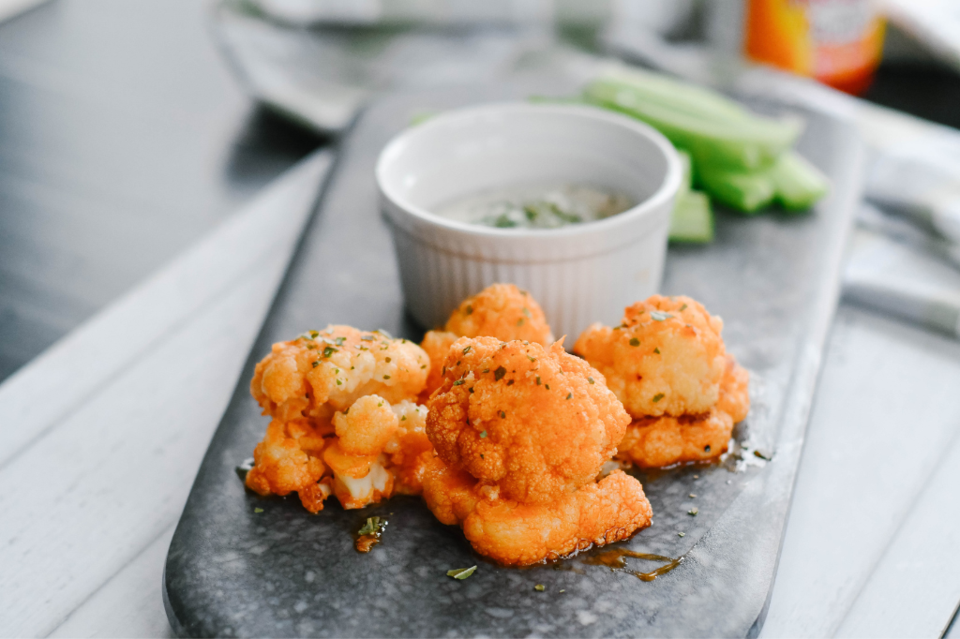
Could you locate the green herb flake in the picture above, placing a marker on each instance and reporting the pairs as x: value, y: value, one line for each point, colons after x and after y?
x: 469, y: 310
x: 634, y: 341
x: 315, y: 364
x: 547, y: 386
x: 461, y: 573
x: 520, y: 321
x: 388, y: 360
x: 340, y: 340
x: 486, y: 370
x: 531, y: 358
x: 681, y: 534
x: 539, y: 587
x: 526, y: 311
x: 657, y: 397
x: 467, y: 350
x: 499, y: 373
x: 683, y: 308
x: 569, y: 395
x: 258, y: 510
x: 379, y: 404
x: 657, y: 350
x: 538, y: 380
x: 590, y: 379
x: 503, y: 415
x: 659, y: 316
x: 458, y: 382
x: 339, y: 383
x: 329, y: 350
x: 483, y: 435
x: 693, y: 495
x: 423, y: 366
x: 386, y: 377
x: 403, y: 419
x: 371, y: 527
x: 693, y: 512
x: 368, y: 338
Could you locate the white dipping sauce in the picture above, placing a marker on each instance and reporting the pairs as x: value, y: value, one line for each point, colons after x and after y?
x: 540, y: 206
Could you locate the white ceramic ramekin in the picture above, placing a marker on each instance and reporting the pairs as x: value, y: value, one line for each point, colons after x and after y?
x: 580, y: 273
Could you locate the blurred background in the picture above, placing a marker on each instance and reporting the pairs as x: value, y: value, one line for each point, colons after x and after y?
x: 130, y: 128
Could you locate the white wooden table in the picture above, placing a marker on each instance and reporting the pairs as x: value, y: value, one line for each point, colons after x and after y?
x: 103, y: 433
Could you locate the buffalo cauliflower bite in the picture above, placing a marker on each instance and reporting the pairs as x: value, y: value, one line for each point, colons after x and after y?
x: 500, y: 310
x: 537, y: 422
x: 515, y: 533
x: 323, y: 372
x: 655, y: 442
x: 344, y: 419
x: 666, y: 358
x: 289, y: 460
x: 521, y: 433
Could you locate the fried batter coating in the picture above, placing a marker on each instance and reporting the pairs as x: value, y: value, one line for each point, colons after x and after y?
x: 436, y: 344
x: 288, y: 460
x: 502, y: 311
x: 537, y: 422
x: 734, y: 391
x: 326, y: 371
x: 655, y: 442
x: 667, y: 358
x: 515, y: 534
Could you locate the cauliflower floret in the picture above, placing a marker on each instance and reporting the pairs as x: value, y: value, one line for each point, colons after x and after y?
x: 514, y: 533
x: 436, y: 344
x: 537, y: 422
x: 326, y: 371
x: 409, y: 449
x: 734, y: 391
x: 667, y: 358
x: 655, y: 442
x: 289, y: 460
x: 502, y: 311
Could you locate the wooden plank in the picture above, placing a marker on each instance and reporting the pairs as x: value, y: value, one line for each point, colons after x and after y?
x: 130, y: 604
x: 143, y: 385
x: 885, y: 411
x: 914, y: 590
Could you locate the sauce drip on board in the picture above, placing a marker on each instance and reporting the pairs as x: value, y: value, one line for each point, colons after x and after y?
x: 614, y: 559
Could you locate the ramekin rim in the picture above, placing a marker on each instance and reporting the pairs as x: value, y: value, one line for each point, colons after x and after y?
x: 668, y: 187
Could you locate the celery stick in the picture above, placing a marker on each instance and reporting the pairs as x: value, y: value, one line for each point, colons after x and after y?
x: 747, y: 192
x: 799, y: 184
x: 687, y: 165
x: 692, y: 219
x: 712, y: 138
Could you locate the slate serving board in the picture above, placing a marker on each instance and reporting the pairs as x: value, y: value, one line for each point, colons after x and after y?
x: 234, y: 571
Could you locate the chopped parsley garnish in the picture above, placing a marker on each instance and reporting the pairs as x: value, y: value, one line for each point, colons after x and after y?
x: 483, y: 435
x: 339, y: 383
x: 692, y: 495
x: 314, y: 334
x: 315, y: 364
x: 657, y: 350
x: 386, y: 377
x: 657, y: 397
x: 467, y: 350
x: 503, y: 415
x: 458, y: 382
x: 659, y: 316
x: 634, y: 341
x: 499, y: 373
x: 368, y: 338
x: 258, y: 510
x: 531, y: 358
x: 329, y: 350
x: 461, y: 573
x: 539, y: 587
x: 683, y: 308
x: 570, y: 396
x: 340, y: 340
x: 526, y: 311
x: 547, y: 386
x: 520, y: 322
x: 538, y: 380
x: 590, y: 379
x: 680, y: 534
x: 422, y: 366
x: 693, y: 512
x: 403, y: 419
x: 469, y: 310
x: 372, y: 526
